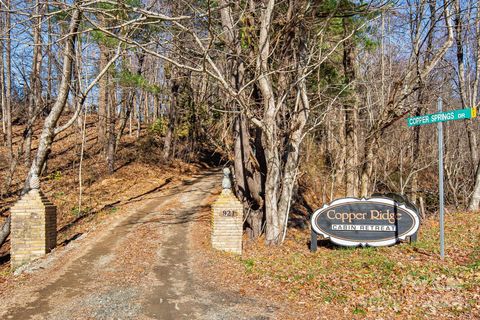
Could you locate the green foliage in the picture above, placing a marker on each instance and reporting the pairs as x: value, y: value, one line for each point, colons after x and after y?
x: 183, y: 130
x: 359, y: 311
x: 249, y: 264
x: 58, y: 195
x: 57, y: 175
x: 117, y: 13
x: 133, y: 3
x: 102, y: 38
x: 369, y: 43
x: 247, y: 32
x: 158, y: 127
x: 127, y: 78
x: 76, y: 212
x: 58, y: 15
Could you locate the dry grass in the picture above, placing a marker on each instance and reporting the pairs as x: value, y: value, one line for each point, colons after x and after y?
x: 402, y: 281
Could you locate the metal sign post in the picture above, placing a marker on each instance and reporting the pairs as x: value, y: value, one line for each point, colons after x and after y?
x: 439, y: 118
x: 440, y: 178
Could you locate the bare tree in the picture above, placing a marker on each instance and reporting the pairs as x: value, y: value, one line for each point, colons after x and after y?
x: 395, y: 107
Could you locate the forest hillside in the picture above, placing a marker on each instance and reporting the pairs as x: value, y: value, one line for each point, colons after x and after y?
x: 359, y: 117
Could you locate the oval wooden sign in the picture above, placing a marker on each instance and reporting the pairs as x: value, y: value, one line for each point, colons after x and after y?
x: 365, y: 222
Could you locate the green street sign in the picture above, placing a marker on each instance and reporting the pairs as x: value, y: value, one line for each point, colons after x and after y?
x: 442, y: 117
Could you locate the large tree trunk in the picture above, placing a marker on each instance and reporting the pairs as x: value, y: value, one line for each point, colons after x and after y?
x: 247, y: 165
x: 273, y: 228
x: 248, y: 176
x: 270, y: 130
x: 48, y: 132
x: 8, y: 100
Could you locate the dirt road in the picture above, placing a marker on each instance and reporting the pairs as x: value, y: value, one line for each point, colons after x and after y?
x: 140, y: 267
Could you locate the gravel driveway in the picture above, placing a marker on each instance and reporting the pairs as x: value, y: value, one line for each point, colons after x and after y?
x: 138, y: 267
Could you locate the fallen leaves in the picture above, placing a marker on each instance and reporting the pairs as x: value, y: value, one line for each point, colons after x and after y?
x: 402, y: 281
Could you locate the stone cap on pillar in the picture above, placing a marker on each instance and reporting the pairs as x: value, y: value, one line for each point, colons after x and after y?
x: 226, y: 182
x: 34, y: 198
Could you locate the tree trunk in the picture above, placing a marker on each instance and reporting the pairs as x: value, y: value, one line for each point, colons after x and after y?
x: 297, y: 124
x: 48, y: 132
x: 239, y: 160
x: 49, y: 63
x: 127, y: 115
x: 416, y: 151
x: 475, y: 199
x: 8, y: 83
x: 367, y: 166
x: 248, y: 170
x: 248, y: 176
x: 351, y: 113
x: 111, y: 133
x: 103, y: 99
x: 35, y: 93
x: 462, y: 85
x: 274, y: 225
x: 270, y: 131
x: 2, y: 84
x: 171, y: 122
x: 5, y: 231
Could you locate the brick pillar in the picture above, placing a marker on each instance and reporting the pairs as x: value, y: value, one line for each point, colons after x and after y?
x: 227, y: 223
x: 33, y: 228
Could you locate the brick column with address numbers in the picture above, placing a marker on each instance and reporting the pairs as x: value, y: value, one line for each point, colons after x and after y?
x: 33, y: 228
x: 227, y: 213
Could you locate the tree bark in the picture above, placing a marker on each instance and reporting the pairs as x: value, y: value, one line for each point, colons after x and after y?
x: 103, y: 99
x: 48, y: 132
x: 475, y: 198
x: 248, y: 175
x: 367, y: 166
x: 351, y: 113
x: 5, y: 231
x: 8, y: 83
x: 298, y: 121
x: 35, y: 93
x: 111, y: 133
x: 462, y: 85
x: 2, y: 83
x: 171, y: 121
x: 394, y: 108
x: 270, y: 131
